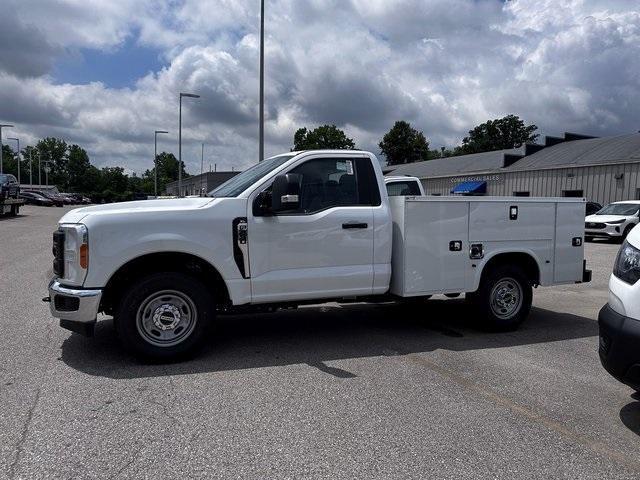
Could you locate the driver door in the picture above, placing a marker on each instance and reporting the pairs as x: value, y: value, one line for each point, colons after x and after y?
x: 325, y: 248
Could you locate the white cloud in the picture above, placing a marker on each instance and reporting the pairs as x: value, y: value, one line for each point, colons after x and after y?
x: 443, y: 65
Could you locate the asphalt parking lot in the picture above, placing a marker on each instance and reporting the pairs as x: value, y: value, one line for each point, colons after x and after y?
x: 323, y: 392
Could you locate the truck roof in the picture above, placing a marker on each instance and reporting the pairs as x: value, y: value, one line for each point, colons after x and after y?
x: 395, y: 178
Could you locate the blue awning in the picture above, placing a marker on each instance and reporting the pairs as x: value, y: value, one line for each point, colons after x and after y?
x: 470, y: 188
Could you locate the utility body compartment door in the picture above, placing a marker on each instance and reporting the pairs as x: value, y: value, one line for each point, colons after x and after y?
x: 569, y: 244
x: 430, y: 246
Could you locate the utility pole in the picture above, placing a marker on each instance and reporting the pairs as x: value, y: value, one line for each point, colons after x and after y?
x: 31, y: 167
x: 189, y: 95
x: 2, y: 125
x: 46, y: 169
x: 39, y: 167
x: 261, y: 135
x: 201, y: 169
x: 17, y: 140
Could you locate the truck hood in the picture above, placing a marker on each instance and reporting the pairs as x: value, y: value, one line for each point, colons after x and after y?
x: 605, y: 218
x: 148, y: 206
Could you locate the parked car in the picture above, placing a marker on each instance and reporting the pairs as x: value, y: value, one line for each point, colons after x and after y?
x: 397, y: 186
x: 592, y: 208
x: 298, y: 228
x: 614, y: 221
x: 34, y: 198
x: 619, y: 319
x: 57, y: 200
x: 9, y: 187
x: 77, y: 198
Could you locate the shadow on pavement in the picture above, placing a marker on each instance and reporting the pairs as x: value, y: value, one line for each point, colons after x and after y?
x: 8, y: 218
x: 630, y: 414
x: 315, y: 335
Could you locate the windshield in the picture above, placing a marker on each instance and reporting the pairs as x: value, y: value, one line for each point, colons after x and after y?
x: 620, y: 209
x: 238, y: 184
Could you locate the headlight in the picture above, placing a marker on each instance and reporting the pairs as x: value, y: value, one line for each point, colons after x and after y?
x: 616, y: 222
x: 76, y: 253
x: 627, y: 266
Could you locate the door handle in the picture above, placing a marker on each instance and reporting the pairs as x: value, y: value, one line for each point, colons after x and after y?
x: 350, y: 225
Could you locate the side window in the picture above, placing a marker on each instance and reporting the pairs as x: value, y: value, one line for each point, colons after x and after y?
x: 334, y: 182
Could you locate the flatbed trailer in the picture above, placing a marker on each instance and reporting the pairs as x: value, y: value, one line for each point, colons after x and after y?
x: 11, y: 206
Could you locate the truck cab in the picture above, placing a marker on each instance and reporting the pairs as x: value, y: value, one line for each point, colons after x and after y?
x: 301, y: 227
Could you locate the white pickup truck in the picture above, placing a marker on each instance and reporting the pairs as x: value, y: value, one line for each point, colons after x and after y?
x: 303, y: 227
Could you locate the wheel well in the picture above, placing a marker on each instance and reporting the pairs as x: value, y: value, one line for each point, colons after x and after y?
x: 163, y: 262
x: 521, y: 259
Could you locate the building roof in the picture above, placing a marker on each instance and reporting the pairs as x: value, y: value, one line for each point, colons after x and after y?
x: 460, y: 165
x: 574, y: 150
x: 579, y: 153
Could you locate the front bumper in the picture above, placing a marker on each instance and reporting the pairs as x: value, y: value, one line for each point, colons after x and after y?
x: 76, y: 308
x: 619, y: 346
x: 609, y: 231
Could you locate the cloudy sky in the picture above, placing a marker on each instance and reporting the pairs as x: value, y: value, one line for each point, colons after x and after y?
x: 106, y: 73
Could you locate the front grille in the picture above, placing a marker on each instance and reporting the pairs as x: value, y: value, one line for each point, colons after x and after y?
x: 593, y: 225
x: 58, y: 253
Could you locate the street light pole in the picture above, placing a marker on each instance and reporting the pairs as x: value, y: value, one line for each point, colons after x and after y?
x: 155, y: 160
x: 17, y: 140
x: 201, y: 168
x: 39, y: 167
x: 261, y: 135
x: 189, y: 95
x: 31, y: 167
x: 5, y: 125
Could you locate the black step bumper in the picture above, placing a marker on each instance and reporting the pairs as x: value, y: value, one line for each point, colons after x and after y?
x: 619, y: 347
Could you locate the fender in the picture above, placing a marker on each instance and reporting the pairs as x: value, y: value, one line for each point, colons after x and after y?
x: 493, y: 252
x: 206, y: 233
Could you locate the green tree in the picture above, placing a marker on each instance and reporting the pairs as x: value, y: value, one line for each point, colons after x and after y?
x: 114, y: 179
x: 498, y: 134
x: 167, y: 172
x: 53, y: 151
x: 404, y: 144
x: 78, y: 166
x: 325, y: 137
x: 28, y: 166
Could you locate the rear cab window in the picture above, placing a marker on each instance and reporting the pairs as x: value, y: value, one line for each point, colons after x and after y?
x: 403, y: 188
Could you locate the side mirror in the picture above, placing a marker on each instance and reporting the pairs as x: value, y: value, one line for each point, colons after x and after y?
x: 285, y: 194
x: 262, y: 204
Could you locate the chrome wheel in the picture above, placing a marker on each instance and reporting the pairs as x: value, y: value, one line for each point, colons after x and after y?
x: 166, y: 318
x: 506, y: 298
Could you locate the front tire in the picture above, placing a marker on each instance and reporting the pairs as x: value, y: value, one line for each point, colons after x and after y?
x: 503, y: 298
x: 164, y: 316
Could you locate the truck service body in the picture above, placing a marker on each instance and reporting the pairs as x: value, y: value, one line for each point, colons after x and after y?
x: 299, y: 228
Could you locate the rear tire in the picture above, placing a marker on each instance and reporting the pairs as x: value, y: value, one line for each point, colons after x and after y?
x: 164, y: 316
x: 503, y: 298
